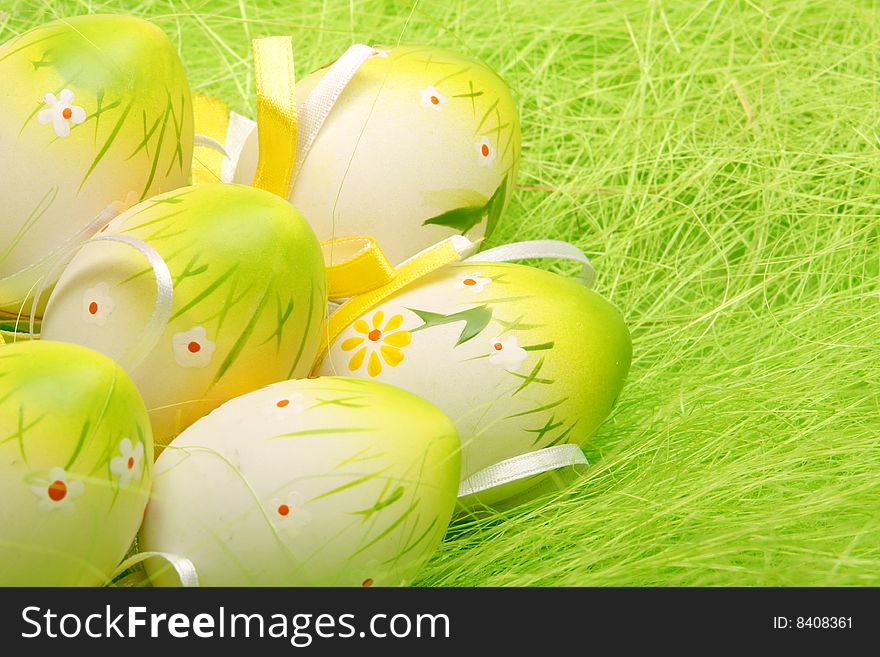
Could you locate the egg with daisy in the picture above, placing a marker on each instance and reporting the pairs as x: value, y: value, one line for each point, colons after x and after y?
x: 202, y: 294
x: 95, y: 115
x: 520, y: 358
x: 76, y: 455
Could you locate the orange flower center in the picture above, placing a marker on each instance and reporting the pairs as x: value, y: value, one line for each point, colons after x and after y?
x: 283, y: 403
x: 57, y: 490
x: 283, y: 510
x: 374, y: 335
x: 484, y: 149
x: 67, y: 112
x: 469, y: 281
x: 93, y: 308
x: 130, y: 462
x: 194, y: 347
x: 498, y: 346
x: 367, y: 582
x: 435, y: 100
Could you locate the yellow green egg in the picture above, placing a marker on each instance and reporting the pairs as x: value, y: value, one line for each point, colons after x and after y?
x: 76, y: 455
x: 95, y: 111
x: 319, y: 482
x: 422, y: 144
x: 521, y: 359
x: 249, y: 298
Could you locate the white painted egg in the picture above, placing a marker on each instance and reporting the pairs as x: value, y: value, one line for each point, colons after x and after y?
x: 318, y: 482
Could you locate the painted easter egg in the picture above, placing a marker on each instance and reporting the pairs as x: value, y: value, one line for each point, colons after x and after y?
x: 249, y: 297
x: 435, y: 131
x: 76, y: 453
x: 332, y: 481
x: 95, y: 111
x: 520, y: 358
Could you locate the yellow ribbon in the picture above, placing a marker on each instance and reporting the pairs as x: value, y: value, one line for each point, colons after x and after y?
x: 410, y: 271
x: 276, y: 114
x: 357, y: 265
x: 211, y: 120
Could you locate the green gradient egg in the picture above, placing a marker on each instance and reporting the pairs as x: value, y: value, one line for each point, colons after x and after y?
x: 76, y: 455
x: 520, y: 358
x: 319, y: 482
x: 422, y: 144
x: 249, y: 298
x: 94, y: 111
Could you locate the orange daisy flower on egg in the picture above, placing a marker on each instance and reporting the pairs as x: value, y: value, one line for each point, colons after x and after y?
x: 377, y: 343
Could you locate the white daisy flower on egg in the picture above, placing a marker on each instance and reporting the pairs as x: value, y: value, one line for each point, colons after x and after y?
x: 192, y: 348
x: 507, y: 353
x: 474, y: 281
x: 433, y: 99
x: 290, y: 511
x: 58, y: 491
x: 97, y: 304
x: 61, y: 112
x: 485, y: 152
x: 129, y: 465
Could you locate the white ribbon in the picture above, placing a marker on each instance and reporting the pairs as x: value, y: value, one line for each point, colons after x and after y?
x: 540, y: 249
x: 183, y: 567
x: 209, y: 142
x: 61, y: 256
x: 521, y: 467
x: 162, y: 308
x: 237, y: 132
x: 53, y: 261
x: 311, y: 114
x: 317, y: 106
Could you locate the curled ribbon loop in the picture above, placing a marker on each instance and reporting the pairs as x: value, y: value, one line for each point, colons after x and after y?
x: 46, y: 270
x: 540, y: 249
x: 521, y: 467
x: 58, y: 260
x: 279, y: 118
x: 162, y: 307
x: 183, y: 567
x: 362, y: 266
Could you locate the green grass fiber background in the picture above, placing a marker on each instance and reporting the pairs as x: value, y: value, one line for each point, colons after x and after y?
x: 720, y: 162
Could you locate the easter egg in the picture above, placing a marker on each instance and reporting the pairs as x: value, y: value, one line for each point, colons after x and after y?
x: 95, y: 111
x: 422, y: 144
x: 520, y: 358
x: 319, y: 482
x: 76, y: 454
x: 249, y: 297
